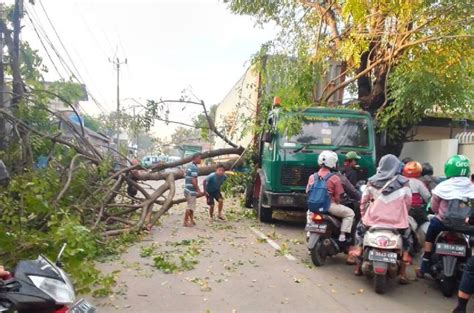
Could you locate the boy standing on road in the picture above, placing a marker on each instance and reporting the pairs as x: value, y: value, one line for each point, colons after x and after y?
x: 212, y: 187
x: 191, y: 189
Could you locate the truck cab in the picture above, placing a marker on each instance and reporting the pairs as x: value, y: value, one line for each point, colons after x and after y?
x: 286, y: 162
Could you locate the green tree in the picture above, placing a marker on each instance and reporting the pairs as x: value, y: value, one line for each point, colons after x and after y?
x: 202, y: 124
x: 401, y: 58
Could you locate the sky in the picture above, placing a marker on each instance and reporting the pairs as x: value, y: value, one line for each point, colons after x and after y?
x: 169, y: 46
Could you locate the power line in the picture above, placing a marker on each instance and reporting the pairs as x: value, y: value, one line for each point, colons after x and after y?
x: 77, y: 76
x: 60, y: 41
x: 41, y: 30
x: 44, y: 46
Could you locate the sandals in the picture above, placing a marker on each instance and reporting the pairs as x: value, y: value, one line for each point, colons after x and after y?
x: 403, y: 280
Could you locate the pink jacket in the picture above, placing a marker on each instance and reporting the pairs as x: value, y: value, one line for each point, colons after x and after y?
x: 439, y: 207
x: 385, y: 210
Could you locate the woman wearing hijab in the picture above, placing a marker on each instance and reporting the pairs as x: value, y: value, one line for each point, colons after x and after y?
x: 386, y: 202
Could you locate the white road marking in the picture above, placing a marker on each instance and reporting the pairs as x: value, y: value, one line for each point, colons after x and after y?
x: 272, y: 243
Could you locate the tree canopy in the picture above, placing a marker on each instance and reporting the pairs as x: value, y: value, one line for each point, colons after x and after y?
x: 400, y: 59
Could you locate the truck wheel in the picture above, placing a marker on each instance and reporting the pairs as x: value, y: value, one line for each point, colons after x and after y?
x: 318, y: 256
x: 380, y: 283
x: 264, y: 214
x: 448, y: 286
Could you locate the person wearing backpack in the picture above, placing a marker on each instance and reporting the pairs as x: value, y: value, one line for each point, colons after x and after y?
x: 386, y: 202
x: 446, y: 199
x: 324, y: 191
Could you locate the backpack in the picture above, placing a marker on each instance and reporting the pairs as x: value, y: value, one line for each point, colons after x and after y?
x: 319, y: 199
x: 455, y: 217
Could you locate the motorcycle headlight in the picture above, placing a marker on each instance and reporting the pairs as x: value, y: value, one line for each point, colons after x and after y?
x: 61, y: 292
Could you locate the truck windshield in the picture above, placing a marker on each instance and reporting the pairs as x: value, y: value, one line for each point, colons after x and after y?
x: 331, y: 131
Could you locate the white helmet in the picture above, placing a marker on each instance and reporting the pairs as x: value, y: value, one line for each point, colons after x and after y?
x: 328, y: 159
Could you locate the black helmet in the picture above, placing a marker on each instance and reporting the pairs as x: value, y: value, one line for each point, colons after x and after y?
x: 427, y: 169
x: 407, y: 160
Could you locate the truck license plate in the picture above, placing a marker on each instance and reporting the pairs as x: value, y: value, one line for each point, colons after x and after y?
x: 82, y: 306
x: 317, y: 228
x: 449, y: 249
x: 383, y: 256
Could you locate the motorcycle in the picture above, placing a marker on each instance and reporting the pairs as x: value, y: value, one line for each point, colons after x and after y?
x: 41, y: 286
x: 382, y: 255
x: 323, y: 231
x: 451, y: 251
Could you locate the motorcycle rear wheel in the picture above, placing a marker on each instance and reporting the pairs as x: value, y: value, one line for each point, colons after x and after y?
x: 448, y: 286
x: 318, y: 258
x: 380, y: 283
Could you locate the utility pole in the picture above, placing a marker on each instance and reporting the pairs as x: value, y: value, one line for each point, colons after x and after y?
x: 3, y: 130
x: 137, y: 133
x: 15, y: 62
x: 117, y: 64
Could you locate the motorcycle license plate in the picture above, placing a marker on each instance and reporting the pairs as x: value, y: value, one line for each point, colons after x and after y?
x: 449, y: 249
x: 82, y: 306
x: 317, y: 228
x: 383, y: 256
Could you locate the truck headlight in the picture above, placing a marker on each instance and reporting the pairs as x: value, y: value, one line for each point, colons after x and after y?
x: 61, y: 292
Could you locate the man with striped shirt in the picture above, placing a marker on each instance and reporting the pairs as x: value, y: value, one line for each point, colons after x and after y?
x: 191, y: 189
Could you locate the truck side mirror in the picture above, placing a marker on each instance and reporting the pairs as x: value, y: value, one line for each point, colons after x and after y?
x: 267, y: 137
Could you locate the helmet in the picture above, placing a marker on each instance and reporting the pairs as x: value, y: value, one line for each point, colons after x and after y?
x: 412, y: 169
x: 458, y: 165
x: 328, y: 159
x: 352, y: 155
x: 407, y: 160
x: 427, y: 169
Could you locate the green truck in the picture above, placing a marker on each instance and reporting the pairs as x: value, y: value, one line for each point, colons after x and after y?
x: 285, y: 163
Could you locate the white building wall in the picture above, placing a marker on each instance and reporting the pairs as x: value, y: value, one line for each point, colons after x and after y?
x: 436, y: 152
x: 237, y: 111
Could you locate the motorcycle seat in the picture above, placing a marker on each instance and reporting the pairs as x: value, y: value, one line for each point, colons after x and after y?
x: 334, y: 219
x: 377, y: 228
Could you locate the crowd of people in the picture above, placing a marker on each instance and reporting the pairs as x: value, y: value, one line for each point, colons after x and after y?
x: 401, y: 190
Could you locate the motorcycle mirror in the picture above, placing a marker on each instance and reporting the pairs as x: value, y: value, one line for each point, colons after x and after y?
x: 58, y: 259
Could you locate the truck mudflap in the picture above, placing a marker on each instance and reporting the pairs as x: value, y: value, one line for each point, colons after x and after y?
x: 313, y: 238
x: 449, y: 265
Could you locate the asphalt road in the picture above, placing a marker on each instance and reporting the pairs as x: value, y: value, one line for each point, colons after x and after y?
x: 235, y: 270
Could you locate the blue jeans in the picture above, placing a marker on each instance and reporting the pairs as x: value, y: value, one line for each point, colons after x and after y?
x: 467, y: 280
x: 436, y: 227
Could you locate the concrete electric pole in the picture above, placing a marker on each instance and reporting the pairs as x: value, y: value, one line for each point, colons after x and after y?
x: 3, y: 134
x: 117, y: 64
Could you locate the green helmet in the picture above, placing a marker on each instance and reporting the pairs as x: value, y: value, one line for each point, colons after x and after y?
x: 458, y: 165
x: 352, y: 155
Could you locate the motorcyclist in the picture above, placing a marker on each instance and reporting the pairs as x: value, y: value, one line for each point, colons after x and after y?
x: 327, y: 161
x: 457, y: 186
x: 420, y: 194
x: 3, y: 274
x: 427, y: 176
x: 466, y: 287
x: 385, y: 202
x: 350, y: 167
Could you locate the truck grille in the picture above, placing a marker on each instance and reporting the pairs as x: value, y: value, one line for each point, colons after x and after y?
x: 296, y: 175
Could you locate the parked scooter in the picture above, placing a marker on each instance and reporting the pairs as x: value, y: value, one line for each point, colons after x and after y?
x: 382, y: 256
x: 41, y: 286
x: 451, y: 251
x: 323, y: 233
